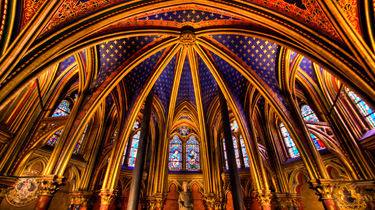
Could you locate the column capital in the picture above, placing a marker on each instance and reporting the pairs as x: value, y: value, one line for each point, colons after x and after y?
x: 324, y: 187
x: 48, y: 184
x: 264, y: 197
x: 81, y: 197
x: 159, y: 200
x: 286, y: 200
x: 106, y: 196
x: 209, y: 200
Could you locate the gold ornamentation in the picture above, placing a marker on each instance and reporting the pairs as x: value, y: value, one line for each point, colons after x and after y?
x: 324, y: 188
x: 48, y: 185
x: 106, y: 196
x: 264, y: 197
x: 187, y: 38
x: 347, y: 197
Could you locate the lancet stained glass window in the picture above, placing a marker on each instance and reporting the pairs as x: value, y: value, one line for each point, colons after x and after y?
x: 244, y: 152
x: 53, y: 139
x: 291, y: 147
x: 175, y: 154
x: 134, y: 149
x: 366, y: 111
x: 63, y: 109
x: 308, y: 113
x: 235, y: 153
x: 79, y: 143
x: 318, y: 143
x: 192, y: 155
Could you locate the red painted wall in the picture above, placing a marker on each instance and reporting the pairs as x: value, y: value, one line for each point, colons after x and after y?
x: 197, y: 198
x: 171, y: 202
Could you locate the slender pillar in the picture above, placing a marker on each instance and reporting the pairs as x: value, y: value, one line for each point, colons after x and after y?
x: 325, y: 192
x: 233, y: 171
x: 141, y: 154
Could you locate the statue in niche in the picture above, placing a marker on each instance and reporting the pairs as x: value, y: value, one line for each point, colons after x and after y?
x: 185, y: 200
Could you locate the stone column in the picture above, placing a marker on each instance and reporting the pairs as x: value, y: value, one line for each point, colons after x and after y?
x: 48, y: 186
x: 325, y: 192
x: 264, y: 199
x: 233, y: 171
x: 135, y: 186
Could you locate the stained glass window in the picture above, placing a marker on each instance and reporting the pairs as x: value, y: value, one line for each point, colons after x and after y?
x: 184, y: 131
x: 235, y: 153
x: 63, y: 109
x: 244, y: 152
x: 79, y: 143
x: 175, y: 154
x: 366, y: 111
x: 308, y: 114
x: 53, y: 139
x: 192, y: 155
x: 136, y: 124
x: 234, y: 126
x: 318, y: 143
x: 134, y: 149
x: 291, y: 147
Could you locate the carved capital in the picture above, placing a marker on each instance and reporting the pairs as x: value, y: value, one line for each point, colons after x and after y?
x: 106, y: 196
x: 264, y: 197
x: 158, y: 200
x: 49, y: 185
x: 81, y: 198
x: 187, y: 38
x: 209, y: 201
x: 324, y: 189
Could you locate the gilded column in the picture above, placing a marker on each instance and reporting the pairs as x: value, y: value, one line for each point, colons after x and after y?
x: 48, y: 186
x: 106, y: 197
x: 325, y: 191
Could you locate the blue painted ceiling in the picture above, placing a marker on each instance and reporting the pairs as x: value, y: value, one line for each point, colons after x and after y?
x: 186, y: 89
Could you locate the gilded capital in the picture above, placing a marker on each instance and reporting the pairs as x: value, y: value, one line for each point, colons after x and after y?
x: 187, y: 38
x: 106, y: 196
x: 264, y: 197
x: 324, y: 189
x: 49, y: 185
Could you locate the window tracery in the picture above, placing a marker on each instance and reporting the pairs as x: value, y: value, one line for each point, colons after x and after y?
x: 308, y: 114
x: 192, y: 155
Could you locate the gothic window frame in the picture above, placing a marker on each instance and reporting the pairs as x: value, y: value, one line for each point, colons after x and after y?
x: 242, y: 158
x: 71, y: 98
x: 184, y: 139
x: 360, y: 106
x: 128, y: 147
x: 317, y: 142
x: 287, y: 140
